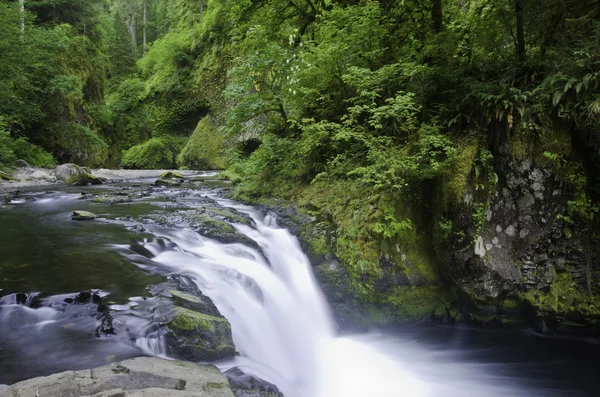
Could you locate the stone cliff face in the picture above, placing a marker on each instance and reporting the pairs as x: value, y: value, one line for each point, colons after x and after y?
x: 528, y: 251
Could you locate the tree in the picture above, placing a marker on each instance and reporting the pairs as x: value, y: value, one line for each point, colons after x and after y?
x: 22, y: 13
x: 132, y: 28
x: 519, y: 9
x: 145, y: 26
x: 437, y: 15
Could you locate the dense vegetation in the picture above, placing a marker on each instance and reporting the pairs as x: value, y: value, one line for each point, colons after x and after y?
x: 374, y: 116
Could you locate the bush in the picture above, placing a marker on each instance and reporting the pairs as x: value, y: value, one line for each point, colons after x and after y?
x: 33, y: 154
x: 204, y: 149
x: 7, y: 156
x: 157, y: 153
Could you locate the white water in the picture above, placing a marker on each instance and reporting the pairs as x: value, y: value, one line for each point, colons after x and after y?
x: 284, y: 331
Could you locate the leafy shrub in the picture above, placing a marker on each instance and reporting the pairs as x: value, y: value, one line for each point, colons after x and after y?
x: 7, y: 155
x: 204, y: 149
x: 33, y: 154
x: 156, y: 153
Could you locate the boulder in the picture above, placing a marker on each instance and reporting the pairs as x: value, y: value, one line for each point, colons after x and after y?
x: 83, y: 216
x: 76, y: 175
x: 22, y: 164
x: 143, y: 376
x: 171, y: 175
x: 196, y: 336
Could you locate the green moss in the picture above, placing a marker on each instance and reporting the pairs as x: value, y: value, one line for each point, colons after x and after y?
x: 214, y: 226
x: 564, y: 298
x: 418, y: 302
x: 156, y: 153
x: 457, y: 178
x: 171, y: 175
x: 204, y: 150
x: 188, y: 320
x: 5, y: 176
x: 83, y: 216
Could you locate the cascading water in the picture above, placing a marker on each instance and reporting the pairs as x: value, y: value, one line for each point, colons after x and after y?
x: 282, y: 326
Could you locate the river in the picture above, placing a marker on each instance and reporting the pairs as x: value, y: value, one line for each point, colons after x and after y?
x: 281, y: 324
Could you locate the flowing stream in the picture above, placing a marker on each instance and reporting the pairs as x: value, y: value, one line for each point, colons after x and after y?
x: 281, y: 323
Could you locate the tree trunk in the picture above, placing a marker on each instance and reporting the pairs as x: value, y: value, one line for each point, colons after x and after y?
x: 144, y: 48
x: 201, y: 9
x: 22, y: 14
x: 132, y: 31
x: 520, y: 29
x: 437, y: 15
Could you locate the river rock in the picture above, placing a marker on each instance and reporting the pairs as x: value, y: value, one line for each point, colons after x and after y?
x: 166, y: 182
x: 83, y: 216
x: 76, y: 175
x: 138, y: 377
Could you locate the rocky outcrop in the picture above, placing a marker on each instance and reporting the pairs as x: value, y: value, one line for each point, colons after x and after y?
x: 192, y: 325
x: 522, y: 251
x: 76, y: 175
x: 139, y: 377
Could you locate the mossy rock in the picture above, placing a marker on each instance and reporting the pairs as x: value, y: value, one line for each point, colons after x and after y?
x: 156, y: 153
x: 171, y: 175
x: 204, y: 150
x: 227, y: 214
x: 205, y: 223
x: 199, y: 337
x: 76, y: 175
x: 83, y: 216
x: 5, y: 177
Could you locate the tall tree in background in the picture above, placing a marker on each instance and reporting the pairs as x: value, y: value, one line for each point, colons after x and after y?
x: 201, y: 9
x: 132, y: 29
x: 520, y: 29
x: 437, y: 15
x: 145, y: 27
x: 22, y: 12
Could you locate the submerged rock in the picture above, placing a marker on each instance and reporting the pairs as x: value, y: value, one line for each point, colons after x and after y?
x: 166, y: 182
x: 83, y: 216
x: 143, y: 376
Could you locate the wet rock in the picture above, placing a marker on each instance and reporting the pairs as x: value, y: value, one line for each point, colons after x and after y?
x: 244, y: 385
x: 209, y: 223
x: 139, y: 377
x: 198, y: 337
x: 83, y: 216
x: 166, y: 182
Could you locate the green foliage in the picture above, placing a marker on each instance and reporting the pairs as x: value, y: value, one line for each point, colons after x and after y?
x: 7, y: 156
x: 204, y: 149
x: 156, y: 153
x: 33, y: 154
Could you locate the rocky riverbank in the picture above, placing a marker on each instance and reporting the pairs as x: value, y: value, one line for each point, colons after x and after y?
x: 138, y: 377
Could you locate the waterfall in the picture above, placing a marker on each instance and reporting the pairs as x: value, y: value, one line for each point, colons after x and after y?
x: 281, y: 323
